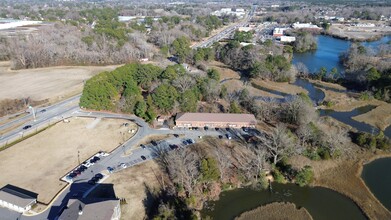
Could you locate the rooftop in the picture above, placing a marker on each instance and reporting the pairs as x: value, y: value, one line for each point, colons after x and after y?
x: 17, y: 196
x: 216, y: 117
x: 86, y: 209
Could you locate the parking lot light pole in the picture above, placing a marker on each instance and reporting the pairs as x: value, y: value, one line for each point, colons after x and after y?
x: 30, y: 107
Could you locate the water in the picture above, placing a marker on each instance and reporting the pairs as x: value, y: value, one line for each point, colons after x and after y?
x: 328, y: 52
x: 314, y: 93
x: 320, y: 202
x: 377, y: 177
x: 346, y: 117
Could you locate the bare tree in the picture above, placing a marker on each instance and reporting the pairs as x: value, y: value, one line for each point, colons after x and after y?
x: 279, y: 143
x: 184, y: 83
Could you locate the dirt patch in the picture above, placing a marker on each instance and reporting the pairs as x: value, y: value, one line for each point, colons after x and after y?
x: 327, y: 84
x: 342, y: 102
x: 274, y: 211
x: 379, y: 117
x: 130, y: 184
x: 45, y: 83
x: 344, y: 176
x: 237, y: 85
x: 57, y: 149
x: 224, y: 70
x: 280, y: 86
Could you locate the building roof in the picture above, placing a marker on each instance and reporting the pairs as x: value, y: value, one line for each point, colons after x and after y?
x: 17, y: 196
x: 216, y: 118
x: 97, y: 209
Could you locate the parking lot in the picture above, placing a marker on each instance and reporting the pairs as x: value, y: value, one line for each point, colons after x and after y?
x: 38, y: 163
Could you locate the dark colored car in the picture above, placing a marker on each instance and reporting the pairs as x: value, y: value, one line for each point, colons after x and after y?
x: 154, y: 143
x: 99, y: 175
x: 206, y: 128
x: 26, y: 127
x: 176, y: 135
x: 95, y: 179
x: 185, y: 142
x: 78, y: 172
x: 43, y: 110
x: 72, y: 175
x: 221, y: 136
x: 228, y: 129
x: 217, y: 129
x: 173, y: 146
x: 82, y: 167
x: 96, y: 158
x: 245, y: 129
x: 142, y: 146
x: 91, y: 182
x: 110, y: 169
x: 143, y: 157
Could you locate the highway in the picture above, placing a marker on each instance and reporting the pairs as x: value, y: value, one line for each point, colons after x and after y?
x: 226, y: 32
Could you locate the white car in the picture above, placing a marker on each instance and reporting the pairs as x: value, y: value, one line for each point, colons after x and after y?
x: 123, y: 165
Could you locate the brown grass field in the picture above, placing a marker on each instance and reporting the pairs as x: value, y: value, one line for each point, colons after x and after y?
x: 51, y: 83
x: 38, y: 163
x: 130, y: 184
x: 276, y: 210
x: 280, y: 86
x: 344, y: 176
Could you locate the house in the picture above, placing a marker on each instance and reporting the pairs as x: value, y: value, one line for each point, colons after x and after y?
x: 91, y: 208
x: 221, y: 120
x: 17, y: 199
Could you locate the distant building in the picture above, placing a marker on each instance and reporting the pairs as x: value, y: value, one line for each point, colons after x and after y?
x: 287, y: 39
x: 365, y: 25
x: 87, y: 209
x: 221, y: 120
x: 245, y: 29
x: 298, y: 25
x: 228, y: 11
x: 278, y: 32
x: 275, y: 6
x: 17, y: 199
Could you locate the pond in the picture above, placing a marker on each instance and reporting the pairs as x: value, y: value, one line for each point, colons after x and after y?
x: 377, y: 177
x: 328, y: 52
x: 320, y: 202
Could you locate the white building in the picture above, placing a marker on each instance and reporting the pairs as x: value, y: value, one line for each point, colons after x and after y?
x: 287, y: 39
x: 298, y: 25
x: 17, y: 199
x: 275, y: 6
x: 245, y: 29
x: 365, y: 25
x: 278, y: 32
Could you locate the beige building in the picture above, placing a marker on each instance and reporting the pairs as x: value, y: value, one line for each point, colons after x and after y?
x: 221, y: 120
x: 17, y: 199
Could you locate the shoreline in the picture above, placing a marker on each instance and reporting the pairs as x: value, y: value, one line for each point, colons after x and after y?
x: 365, y: 206
x: 352, y: 39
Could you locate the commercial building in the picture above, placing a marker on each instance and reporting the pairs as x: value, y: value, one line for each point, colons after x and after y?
x: 298, y: 25
x: 221, y: 120
x: 87, y: 209
x: 245, y: 29
x: 278, y: 32
x: 287, y: 39
x: 17, y: 199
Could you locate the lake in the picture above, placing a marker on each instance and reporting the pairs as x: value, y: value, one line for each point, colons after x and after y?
x: 321, y: 203
x: 327, y: 54
x: 377, y: 176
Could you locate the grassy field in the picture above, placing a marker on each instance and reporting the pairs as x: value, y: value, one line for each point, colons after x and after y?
x: 379, y: 117
x: 38, y: 163
x: 274, y: 211
x: 280, y: 86
x: 51, y: 83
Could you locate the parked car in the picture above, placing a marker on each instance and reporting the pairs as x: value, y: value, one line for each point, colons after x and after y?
x: 142, y: 146
x: 26, y: 127
x: 176, y: 135
x: 123, y: 165
x: 221, y: 136
x: 95, y: 179
x: 229, y: 136
x: 185, y: 142
x: 96, y: 158
x: 91, y: 182
x: 99, y: 175
x: 143, y: 157
x: 87, y: 164
x: 154, y: 143
x: 173, y: 146
x: 43, y: 110
x: 245, y: 129
x: 217, y: 129
x: 72, y: 175
x: 206, y: 128
x: 110, y: 169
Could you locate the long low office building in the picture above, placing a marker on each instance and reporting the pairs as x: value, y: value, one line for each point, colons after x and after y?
x: 220, y: 120
x: 17, y: 199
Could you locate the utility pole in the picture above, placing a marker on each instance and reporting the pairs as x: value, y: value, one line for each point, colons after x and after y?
x: 30, y: 107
